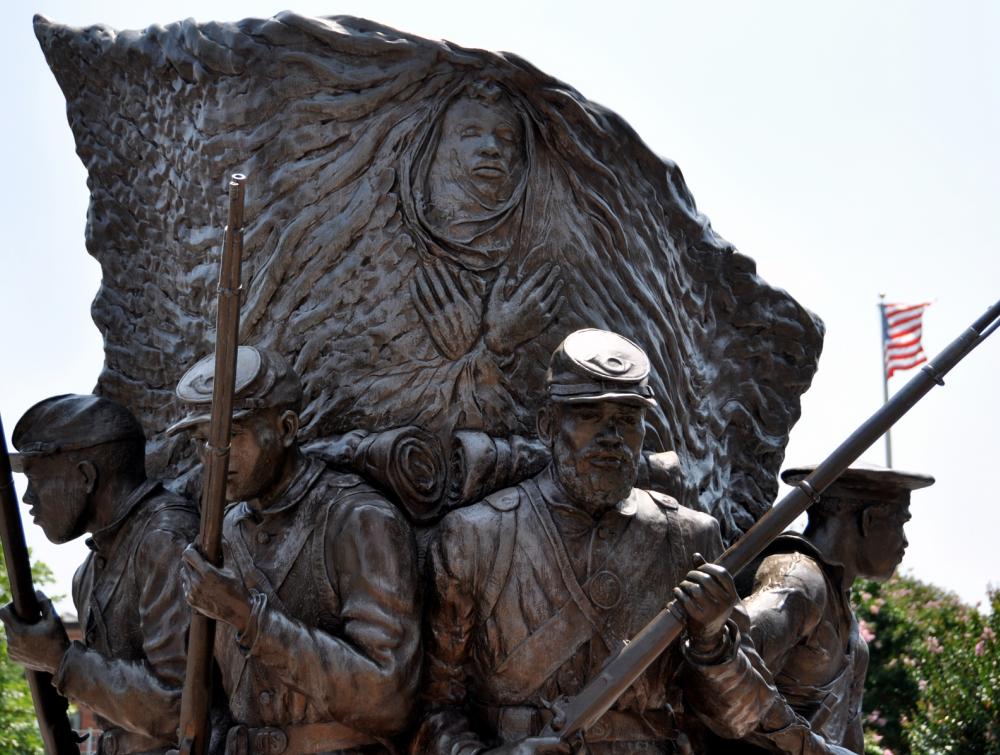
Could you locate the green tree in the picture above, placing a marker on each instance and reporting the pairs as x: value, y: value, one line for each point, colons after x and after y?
x: 18, y: 727
x: 934, y: 679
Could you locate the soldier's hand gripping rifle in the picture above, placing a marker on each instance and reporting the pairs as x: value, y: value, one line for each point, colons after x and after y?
x: 197, y: 695
x: 582, y: 711
x: 50, y: 707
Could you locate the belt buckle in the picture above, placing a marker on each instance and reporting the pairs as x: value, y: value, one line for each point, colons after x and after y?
x: 269, y: 740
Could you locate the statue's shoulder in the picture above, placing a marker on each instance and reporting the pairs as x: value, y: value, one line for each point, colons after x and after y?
x: 793, y: 564
x: 506, y: 499
x: 484, y: 520
x: 169, y: 511
x: 354, y: 503
x: 695, y: 521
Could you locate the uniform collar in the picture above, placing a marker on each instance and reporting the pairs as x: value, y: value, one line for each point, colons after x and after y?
x: 103, y: 540
x: 285, y: 502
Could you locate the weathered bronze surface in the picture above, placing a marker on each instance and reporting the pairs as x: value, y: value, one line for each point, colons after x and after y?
x: 533, y: 589
x: 803, y: 625
x: 317, y: 599
x: 664, y: 629
x: 84, y: 460
x: 427, y: 223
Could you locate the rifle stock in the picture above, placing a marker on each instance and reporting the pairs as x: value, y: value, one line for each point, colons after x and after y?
x: 582, y: 711
x: 196, y: 698
x: 50, y: 707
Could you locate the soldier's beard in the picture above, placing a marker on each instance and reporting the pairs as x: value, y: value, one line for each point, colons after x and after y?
x: 591, y: 487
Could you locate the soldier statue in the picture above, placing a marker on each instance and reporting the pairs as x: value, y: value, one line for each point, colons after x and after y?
x: 84, y: 457
x: 800, y: 611
x: 533, y: 588
x: 317, y: 601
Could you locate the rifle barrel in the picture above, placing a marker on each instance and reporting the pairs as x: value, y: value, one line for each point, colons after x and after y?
x: 583, y: 710
x: 50, y: 707
x: 196, y: 698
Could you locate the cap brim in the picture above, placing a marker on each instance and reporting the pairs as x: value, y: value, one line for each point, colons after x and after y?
x: 199, y: 419
x: 632, y: 399
x: 865, y: 475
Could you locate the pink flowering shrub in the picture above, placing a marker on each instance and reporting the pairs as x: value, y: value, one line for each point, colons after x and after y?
x: 934, y: 678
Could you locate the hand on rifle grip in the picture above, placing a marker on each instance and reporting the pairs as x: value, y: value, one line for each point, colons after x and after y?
x: 38, y: 645
x: 707, y: 596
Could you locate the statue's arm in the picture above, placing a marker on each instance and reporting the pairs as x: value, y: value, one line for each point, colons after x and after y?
x: 785, y: 606
x: 728, y: 689
x: 142, y: 696
x: 450, y: 622
x: 365, y: 675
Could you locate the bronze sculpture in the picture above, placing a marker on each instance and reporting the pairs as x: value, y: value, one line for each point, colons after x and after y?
x: 532, y: 589
x: 802, y: 621
x: 84, y: 459
x: 317, y: 602
x: 410, y: 281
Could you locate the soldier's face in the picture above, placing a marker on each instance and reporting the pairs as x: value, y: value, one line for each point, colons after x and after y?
x: 256, y: 457
x: 58, y: 493
x: 596, y: 448
x: 884, y: 539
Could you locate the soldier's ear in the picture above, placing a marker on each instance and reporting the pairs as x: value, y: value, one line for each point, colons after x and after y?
x: 865, y: 520
x: 545, y: 424
x: 89, y: 473
x: 288, y: 423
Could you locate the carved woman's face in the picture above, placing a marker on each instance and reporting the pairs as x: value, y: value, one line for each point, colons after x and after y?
x: 482, y: 145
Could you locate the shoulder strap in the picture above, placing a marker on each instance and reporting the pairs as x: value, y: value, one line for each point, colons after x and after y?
x: 558, y: 548
x: 253, y: 577
x: 502, y: 562
x: 528, y: 666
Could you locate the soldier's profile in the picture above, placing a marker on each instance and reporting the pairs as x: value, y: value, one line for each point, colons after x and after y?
x: 317, y: 600
x: 84, y: 459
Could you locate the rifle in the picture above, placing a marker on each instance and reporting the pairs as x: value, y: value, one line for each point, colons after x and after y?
x: 197, y: 694
x: 50, y: 707
x: 577, y: 714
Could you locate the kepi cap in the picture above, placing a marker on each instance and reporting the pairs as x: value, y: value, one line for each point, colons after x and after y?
x: 597, y: 365
x: 71, y: 422
x: 264, y: 379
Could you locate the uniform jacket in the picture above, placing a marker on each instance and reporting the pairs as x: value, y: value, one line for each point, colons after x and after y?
x: 808, y: 636
x: 334, y: 627
x: 530, y: 595
x: 129, y: 669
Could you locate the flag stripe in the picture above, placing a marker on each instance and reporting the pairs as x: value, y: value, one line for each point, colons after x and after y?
x: 898, y: 333
x: 904, y: 319
x: 893, y: 369
x: 902, y: 330
x: 902, y: 353
x: 892, y: 309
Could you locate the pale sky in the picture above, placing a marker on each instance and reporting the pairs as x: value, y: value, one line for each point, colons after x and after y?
x: 850, y: 148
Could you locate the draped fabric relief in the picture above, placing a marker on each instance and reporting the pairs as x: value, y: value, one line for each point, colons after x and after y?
x: 413, y: 281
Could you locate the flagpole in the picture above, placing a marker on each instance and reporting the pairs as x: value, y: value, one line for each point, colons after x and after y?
x: 885, y: 378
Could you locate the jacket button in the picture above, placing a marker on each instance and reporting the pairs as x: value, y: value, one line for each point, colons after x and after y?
x: 265, y: 698
x: 263, y: 538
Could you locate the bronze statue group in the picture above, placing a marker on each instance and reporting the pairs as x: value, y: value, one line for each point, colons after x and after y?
x: 336, y: 633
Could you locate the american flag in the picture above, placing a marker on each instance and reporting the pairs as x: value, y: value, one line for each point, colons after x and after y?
x: 902, y: 326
